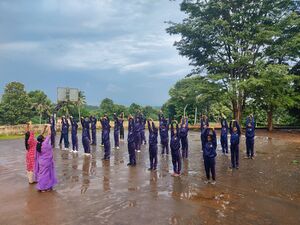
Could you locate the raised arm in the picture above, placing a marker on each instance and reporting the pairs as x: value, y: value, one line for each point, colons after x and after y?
x: 149, y: 126
x: 238, y: 128
x: 214, y: 142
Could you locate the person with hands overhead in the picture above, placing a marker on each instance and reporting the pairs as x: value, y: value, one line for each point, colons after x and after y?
x: 153, y: 133
x: 175, y: 149
x: 131, y: 141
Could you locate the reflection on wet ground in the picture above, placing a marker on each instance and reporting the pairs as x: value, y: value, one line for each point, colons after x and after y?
x: 90, y: 191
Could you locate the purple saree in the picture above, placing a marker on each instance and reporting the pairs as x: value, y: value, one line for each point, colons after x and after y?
x: 44, y: 167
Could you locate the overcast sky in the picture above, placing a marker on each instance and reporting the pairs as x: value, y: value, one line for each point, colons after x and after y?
x: 108, y: 48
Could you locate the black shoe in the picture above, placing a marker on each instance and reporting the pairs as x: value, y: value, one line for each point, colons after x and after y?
x: 129, y: 164
x: 150, y: 169
x: 237, y: 167
x: 154, y: 169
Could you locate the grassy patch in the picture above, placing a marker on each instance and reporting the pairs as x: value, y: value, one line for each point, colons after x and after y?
x: 11, y: 137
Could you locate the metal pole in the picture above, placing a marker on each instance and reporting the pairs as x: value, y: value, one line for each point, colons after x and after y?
x: 195, y: 121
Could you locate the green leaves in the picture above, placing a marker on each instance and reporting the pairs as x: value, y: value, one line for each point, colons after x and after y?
x: 231, y: 40
x: 15, y: 105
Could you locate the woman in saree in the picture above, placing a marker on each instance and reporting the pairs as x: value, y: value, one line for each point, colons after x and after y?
x: 30, y: 145
x: 44, y: 165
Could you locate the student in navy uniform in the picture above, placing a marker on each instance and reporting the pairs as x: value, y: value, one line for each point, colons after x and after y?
x: 102, y: 131
x: 65, y: 132
x: 153, y: 133
x: 53, y: 131
x: 116, y: 131
x: 106, y: 137
x: 161, y: 120
x: 175, y: 149
x: 137, y: 133
x: 209, y: 155
x: 183, y: 132
x: 164, y: 133
x: 224, y: 135
x: 121, y: 120
x: 131, y: 142
x: 61, y: 133
x: 93, y: 121
x: 250, y: 134
x: 74, y: 134
x: 235, y: 133
x: 203, y: 125
x: 142, y: 129
x: 85, y: 135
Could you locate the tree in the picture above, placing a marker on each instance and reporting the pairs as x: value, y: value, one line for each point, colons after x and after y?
x: 134, y: 108
x: 273, y: 90
x: 198, y: 94
x: 150, y: 112
x: 226, y: 39
x: 295, y: 110
x: 118, y: 109
x: 40, y: 103
x: 15, y: 105
x: 107, y: 106
x: 81, y: 102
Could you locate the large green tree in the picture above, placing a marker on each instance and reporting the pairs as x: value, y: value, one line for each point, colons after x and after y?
x: 275, y: 93
x: 107, y: 106
x: 226, y: 39
x: 40, y: 103
x: 15, y: 107
x: 197, y: 95
x: 134, y: 108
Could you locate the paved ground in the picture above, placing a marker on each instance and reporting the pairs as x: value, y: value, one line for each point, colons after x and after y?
x: 263, y: 191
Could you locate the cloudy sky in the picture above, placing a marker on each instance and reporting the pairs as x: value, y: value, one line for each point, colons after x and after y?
x: 107, y: 48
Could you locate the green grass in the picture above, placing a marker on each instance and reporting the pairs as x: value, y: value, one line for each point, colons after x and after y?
x: 11, y: 137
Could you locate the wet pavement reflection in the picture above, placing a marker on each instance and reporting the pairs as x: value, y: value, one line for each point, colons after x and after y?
x: 265, y: 190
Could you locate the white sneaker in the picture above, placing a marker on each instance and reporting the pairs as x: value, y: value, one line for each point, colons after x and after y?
x: 71, y: 150
x: 138, y: 150
x: 118, y: 147
x: 213, y: 182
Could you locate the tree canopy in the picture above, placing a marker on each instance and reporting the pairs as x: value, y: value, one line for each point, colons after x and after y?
x: 228, y: 42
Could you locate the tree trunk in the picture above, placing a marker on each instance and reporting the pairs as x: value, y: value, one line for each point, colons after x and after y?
x: 195, y: 120
x: 270, y: 120
x: 79, y: 112
x: 237, y: 111
x: 40, y: 119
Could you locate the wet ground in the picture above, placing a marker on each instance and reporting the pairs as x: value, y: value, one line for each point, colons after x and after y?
x: 265, y: 190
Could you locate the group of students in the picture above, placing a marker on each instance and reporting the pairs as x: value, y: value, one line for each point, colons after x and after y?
x: 40, y: 156
x: 209, y: 142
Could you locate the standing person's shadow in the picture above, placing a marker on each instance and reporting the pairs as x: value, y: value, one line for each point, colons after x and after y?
x: 85, y: 174
x: 185, y: 170
x: 93, y: 161
x: 153, y: 184
x: 74, y: 174
x: 106, y: 175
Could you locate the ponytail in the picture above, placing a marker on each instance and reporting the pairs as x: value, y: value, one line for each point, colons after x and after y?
x: 40, y: 140
x: 27, y: 135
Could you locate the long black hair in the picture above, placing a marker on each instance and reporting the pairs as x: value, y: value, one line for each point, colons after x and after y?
x: 27, y: 135
x: 40, y: 140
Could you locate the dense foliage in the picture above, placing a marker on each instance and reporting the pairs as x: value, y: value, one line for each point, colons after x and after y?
x: 238, y: 47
